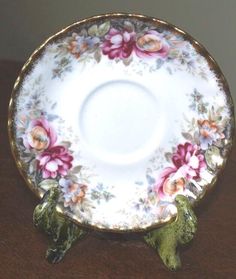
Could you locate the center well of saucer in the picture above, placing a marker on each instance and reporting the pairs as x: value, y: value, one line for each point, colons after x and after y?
x: 118, y: 120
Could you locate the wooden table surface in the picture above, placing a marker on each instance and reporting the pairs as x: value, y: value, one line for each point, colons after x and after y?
x: 212, y: 254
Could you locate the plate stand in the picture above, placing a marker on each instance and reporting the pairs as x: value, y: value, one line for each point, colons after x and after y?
x: 165, y: 240
x: 63, y: 232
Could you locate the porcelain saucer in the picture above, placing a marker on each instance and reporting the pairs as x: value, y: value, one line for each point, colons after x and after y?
x: 121, y: 113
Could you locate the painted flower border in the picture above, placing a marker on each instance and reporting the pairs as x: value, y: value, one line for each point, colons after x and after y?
x: 126, y: 41
x: 48, y: 158
x: 201, y: 150
x: 28, y: 66
x: 50, y: 162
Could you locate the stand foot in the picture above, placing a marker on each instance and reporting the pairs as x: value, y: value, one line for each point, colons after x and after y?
x: 61, y: 230
x: 165, y: 240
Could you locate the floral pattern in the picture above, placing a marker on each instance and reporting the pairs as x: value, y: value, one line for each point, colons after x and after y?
x: 152, y: 44
x: 100, y: 193
x: 126, y: 41
x: 54, y: 161
x: 73, y: 192
x: 118, y: 44
x: 50, y: 150
x: 189, y: 160
x: 81, y: 44
x: 209, y: 133
x: 49, y: 160
x: 53, y: 166
x: 188, y: 163
x: 39, y: 135
x: 121, y: 44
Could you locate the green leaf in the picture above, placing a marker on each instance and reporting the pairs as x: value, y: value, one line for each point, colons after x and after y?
x: 159, y: 63
x: 128, y: 26
x: 169, y: 70
x: 72, y: 177
x: 219, y: 110
x: 196, y: 137
x: 168, y: 156
x: 127, y: 61
x: 32, y: 166
x: 66, y: 144
x: 19, y: 141
x: 103, y: 28
x: 213, y: 158
x: 93, y: 30
x: 97, y: 55
x: 187, y: 136
x: 27, y: 157
x: 48, y: 184
x: 83, y: 33
x: 76, y: 169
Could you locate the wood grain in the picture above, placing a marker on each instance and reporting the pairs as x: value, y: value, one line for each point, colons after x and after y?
x: 212, y: 254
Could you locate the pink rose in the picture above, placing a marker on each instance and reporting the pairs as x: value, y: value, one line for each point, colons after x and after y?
x: 39, y: 135
x: 118, y: 43
x: 188, y: 163
x: 54, y: 161
x: 151, y: 44
x: 121, y: 44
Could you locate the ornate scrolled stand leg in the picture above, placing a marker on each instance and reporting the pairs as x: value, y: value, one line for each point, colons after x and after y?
x: 62, y: 231
x: 165, y: 240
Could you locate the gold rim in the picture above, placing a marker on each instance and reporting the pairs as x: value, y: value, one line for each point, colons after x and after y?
x: 36, y: 54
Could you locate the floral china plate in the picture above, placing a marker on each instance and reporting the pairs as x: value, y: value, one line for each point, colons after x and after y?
x: 121, y: 113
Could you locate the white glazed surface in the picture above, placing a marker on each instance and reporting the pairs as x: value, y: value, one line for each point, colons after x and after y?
x: 135, y: 127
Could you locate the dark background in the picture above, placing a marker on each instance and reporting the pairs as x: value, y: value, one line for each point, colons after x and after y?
x: 25, y: 24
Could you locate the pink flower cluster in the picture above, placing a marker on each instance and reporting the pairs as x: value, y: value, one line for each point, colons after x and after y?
x: 121, y: 44
x: 52, y: 160
x: 39, y: 135
x: 188, y: 163
x: 118, y: 44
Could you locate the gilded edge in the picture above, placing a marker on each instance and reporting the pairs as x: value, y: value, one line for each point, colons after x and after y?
x: 28, y: 66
